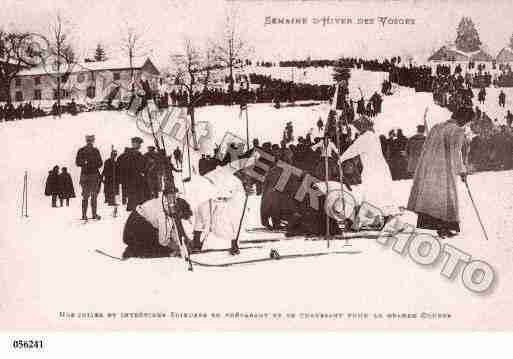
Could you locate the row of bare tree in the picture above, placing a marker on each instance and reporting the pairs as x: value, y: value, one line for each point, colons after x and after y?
x: 191, y: 66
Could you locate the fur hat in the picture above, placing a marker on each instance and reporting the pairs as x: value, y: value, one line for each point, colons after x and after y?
x: 137, y: 140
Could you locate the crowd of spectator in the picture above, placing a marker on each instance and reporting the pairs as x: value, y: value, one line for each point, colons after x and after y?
x: 10, y: 112
x: 491, y: 147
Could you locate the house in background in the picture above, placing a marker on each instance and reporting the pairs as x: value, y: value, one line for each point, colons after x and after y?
x: 450, y: 56
x: 84, y: 82
x: 505, y: 56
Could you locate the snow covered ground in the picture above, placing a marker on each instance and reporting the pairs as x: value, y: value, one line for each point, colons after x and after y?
x: 48, y: 264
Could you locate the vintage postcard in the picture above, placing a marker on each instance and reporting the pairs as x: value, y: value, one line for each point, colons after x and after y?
x: 174, y: 164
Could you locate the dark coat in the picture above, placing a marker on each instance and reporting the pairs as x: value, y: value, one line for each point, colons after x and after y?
x: 52, y: 183
x: 398, y: 161
x: 178, y: 155
x: 89, y: 160
x: 138, y: 190
x: 282, y: 205
x: 122, y: 167
x: 360, y: 106
x: 154, y: 170
x: 66, y: 189
x: 110, y: 178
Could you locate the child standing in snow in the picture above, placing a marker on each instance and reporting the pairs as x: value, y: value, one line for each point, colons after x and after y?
x: 66, y: 189
x: 52, y: 185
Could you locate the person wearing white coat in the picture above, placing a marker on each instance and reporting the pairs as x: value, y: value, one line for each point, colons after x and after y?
x: 217, y: 199
x: 376, y: 186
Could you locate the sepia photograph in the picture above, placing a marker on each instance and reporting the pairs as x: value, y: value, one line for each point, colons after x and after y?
x: 255, y: 165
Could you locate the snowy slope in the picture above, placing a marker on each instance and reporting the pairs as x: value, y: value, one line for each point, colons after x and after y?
x: 47, y: 263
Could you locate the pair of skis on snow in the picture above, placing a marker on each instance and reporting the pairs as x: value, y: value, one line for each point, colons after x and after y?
x: 269, y: 249
x: 274, y: 255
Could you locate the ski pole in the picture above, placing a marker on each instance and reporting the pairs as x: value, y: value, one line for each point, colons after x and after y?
x: 23, y: 194
x: 26, y: 194
x: 341, y: 176
x: 326, y: 164
x: 476, y: 210
x: 242, y: 216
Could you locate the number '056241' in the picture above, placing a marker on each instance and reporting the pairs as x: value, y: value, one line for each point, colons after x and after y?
x: 27, y: 344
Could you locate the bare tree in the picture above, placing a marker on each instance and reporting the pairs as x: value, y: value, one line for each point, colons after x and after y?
x: 62, y: 55
x: 193, y: 69
x: 13, y: 58
x: 232, y: 48
x: 133, y: 45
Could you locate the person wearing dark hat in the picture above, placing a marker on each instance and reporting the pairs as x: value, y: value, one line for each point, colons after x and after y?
x: 434, y: 195
x: 414, y: 149
x: 137, y: 185
x: 502, y: 99
x: 66, y: 189
x: 110, y: 179
x: 90, y: 161
x: 122, y: 170
x: 154, y: 171
x: 177, y: 154
x: 52, y: 185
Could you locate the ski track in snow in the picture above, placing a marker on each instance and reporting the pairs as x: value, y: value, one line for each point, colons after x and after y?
x: 48, y: 264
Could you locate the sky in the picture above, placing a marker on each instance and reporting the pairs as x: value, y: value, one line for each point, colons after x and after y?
x: 165, y: 24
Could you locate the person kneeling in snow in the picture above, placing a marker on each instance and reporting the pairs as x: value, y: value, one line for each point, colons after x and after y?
x: 148, y: 230
x: 218, y: 199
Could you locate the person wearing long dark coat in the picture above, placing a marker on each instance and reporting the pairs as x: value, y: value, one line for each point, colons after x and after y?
x: 178, y: 157
x: 122, y: 167
x: 393, y: 154
x: 90, y: 161
x: 153, y: 171
x: 360, y: 106
x: 402, y: 160
x: 434, y: 194
x: 502, y: 99
x: 137, y: 185
x: 482, y: 95
x: 52, y: 185
x: 414, y: 149
x: 66, y: 188
x: 111, y: 179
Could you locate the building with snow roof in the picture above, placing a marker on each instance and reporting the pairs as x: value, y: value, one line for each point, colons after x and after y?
x: 84, y: 82
x: 449, y: 55
x: 505, y: 56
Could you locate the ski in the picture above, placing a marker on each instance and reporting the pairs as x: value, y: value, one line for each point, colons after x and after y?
x: 273, y: 256
x: 109, y: 255
x: 347, y: 236
x: 264, y: 230
x: 213, y: 250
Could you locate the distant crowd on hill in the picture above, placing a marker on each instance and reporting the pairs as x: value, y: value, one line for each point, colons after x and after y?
x: 26, y: 110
